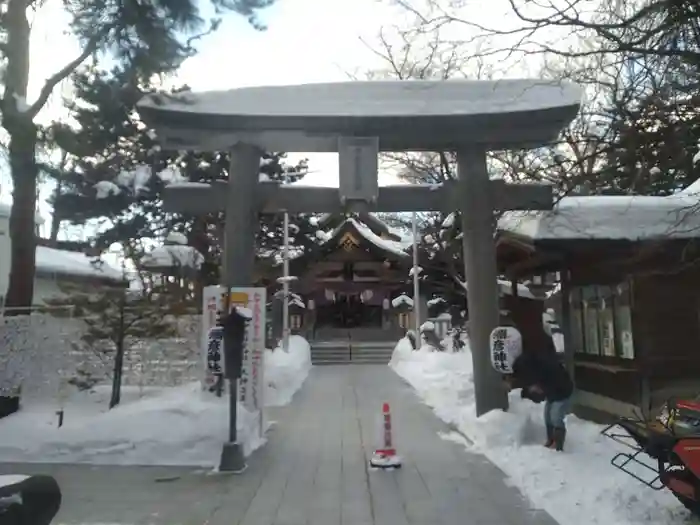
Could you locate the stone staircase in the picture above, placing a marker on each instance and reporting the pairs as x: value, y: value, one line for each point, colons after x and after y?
x: 345, y: 351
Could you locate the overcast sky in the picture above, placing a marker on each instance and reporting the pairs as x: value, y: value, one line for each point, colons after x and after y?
x: 306, y: 41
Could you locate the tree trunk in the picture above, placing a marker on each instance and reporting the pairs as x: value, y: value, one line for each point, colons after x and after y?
x: 119, y: 356
x: 22, y: 148
x: 55, y: 219
x: 22, y: 218
x: 117, y: 376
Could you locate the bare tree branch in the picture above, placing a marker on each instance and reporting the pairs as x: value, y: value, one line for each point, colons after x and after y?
x: 89, y: 49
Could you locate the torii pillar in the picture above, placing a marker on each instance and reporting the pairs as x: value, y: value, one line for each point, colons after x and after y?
x: 359, y: 120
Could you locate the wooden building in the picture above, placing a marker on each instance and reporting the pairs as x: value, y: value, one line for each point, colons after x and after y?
x: 356, y: 286
x: 628, y: 302
x: 346, y: 287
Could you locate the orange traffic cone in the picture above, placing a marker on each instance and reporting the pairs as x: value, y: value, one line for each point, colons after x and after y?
x: 385, y: 455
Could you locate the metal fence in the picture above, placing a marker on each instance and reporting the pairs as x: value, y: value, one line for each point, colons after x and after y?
x: 46, y: 351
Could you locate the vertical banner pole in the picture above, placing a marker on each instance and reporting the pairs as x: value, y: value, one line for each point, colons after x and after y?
x: 416, y: 291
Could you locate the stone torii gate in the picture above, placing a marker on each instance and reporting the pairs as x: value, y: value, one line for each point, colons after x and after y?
x: 359, y: 120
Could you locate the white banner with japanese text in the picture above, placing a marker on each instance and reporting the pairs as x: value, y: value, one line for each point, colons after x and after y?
x: 251, y: 385
x: 506, y: 346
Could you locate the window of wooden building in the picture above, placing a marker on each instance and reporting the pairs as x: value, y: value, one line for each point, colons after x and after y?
x: 601, y: 321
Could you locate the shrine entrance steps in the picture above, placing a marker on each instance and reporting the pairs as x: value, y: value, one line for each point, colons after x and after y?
x: 358, y: 346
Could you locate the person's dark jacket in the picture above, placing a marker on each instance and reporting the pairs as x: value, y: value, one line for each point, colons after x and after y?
x: 545, y: 370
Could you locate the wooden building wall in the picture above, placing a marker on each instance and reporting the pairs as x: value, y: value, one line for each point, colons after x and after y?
x: 667, y: 328
x: 665, y: 311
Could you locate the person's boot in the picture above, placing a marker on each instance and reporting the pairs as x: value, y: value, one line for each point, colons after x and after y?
x: 550, y: 437
x: 559, y: 438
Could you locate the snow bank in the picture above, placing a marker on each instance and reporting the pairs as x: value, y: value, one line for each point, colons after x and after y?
x: 578, y: 487
x: 152, y: 426
x: 167, y: 426
x: 285, y: 372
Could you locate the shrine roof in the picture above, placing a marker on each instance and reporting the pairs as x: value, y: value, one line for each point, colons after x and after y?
x: 377, y: 226
x: 355, y: 232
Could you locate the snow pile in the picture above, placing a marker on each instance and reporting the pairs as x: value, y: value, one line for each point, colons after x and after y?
x: 173, y: 256
x: 170, y: 175
x: 416, y: 270
x: 373, y: 99
x: 427, y: 326
x: 285, y: 372
x: 167, y: 426
x: 106, y: 188
x: 152, y: 426
x: 136, y: 181
x: 578, y: 487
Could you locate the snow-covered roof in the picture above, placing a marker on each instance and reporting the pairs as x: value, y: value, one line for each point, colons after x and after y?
x: 402, y: 299
x: 173, y: 256
x: 626, y: 217
x: 369, y: 219
x: 63, y: 262
x: 395, y: 247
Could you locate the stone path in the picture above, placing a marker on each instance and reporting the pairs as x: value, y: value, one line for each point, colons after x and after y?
x: 312, y: 472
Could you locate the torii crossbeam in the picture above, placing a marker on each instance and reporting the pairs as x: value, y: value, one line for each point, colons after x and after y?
x: 359, y: 120
x: 272, y: 197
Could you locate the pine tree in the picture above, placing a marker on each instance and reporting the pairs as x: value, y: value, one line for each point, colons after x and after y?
x: 114, y: 319
x: 117, y: 171
x: 154, y: 36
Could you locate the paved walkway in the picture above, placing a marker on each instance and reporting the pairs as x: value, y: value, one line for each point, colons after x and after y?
x: 313, y: 471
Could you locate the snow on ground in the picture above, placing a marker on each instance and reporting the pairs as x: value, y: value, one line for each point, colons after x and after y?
x: 151, y: 426
x: 167, y: 426
x: 577, y: 487
x: 285, y: 372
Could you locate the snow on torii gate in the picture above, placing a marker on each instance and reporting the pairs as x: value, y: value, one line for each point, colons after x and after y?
x: 358, y: 120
